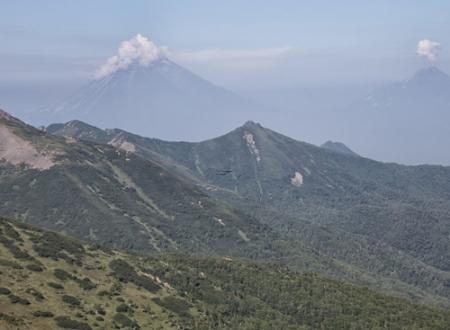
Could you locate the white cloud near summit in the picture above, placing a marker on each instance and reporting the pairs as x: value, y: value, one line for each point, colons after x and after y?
x: 429, y: 49
x: 138, y: 48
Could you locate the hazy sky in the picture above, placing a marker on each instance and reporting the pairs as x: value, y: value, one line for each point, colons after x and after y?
x: 306, y: 60
x: 238, y: 44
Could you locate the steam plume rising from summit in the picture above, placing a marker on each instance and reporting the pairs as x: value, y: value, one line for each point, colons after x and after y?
x: 429, y: 49
x: 138, y: 48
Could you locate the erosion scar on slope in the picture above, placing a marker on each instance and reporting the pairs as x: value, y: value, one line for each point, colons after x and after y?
x: 16, y: 150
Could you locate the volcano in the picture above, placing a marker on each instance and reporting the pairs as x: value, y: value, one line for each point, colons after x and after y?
x: 406, y: 121
x: 155, y: 97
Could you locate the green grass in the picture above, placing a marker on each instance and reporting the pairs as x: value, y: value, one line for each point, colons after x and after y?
x: 171, y: 291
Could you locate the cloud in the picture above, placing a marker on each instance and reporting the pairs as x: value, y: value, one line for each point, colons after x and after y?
x: 238, y: 55
x: 429, y: 49
x: 138, y: 49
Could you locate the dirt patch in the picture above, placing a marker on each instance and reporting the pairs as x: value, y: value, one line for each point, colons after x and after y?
x: 16, y: 150
x: 121, y: 143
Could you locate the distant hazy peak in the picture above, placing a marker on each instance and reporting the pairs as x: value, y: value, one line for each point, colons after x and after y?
x: 338, y: 147
x: 430, y: 74
x: 430, y: 70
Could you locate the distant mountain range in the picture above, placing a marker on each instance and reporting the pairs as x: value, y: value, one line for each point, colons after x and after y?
x: 151, y: 100
x: 397, y: 122
x: 404, y: 121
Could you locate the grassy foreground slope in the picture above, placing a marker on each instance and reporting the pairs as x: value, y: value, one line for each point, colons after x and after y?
x: 49, y: 281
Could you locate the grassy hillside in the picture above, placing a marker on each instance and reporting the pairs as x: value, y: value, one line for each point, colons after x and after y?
x: 118, y: 199
x: 388, y: 221
x: 49, y: 281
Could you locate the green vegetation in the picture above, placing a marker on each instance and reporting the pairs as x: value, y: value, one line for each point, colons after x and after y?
x: 382, y: 225
x: 70, y: 300
x: 42, y: 314
x: 55, y: 285
x: 124, y: 272
x: 67, y: 323
x: 123, y: 321
x: 188, y: 292
x: 373, y: 224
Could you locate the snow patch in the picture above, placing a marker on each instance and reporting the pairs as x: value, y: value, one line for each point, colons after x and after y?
x: 297, y: 180
x: 251, y: 144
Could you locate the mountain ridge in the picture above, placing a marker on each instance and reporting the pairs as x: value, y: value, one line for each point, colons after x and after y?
x: 338, y: 147
x: 332, y: 196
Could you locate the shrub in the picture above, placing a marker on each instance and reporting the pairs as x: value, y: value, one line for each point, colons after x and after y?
x: 35, y: 293
x: 55, y: 285
x: 34, y: 268
x: 10, y: 264
x: 67, y: 323
x: 15, y: 251
x: 51, y: 245
x: 86, y: 284
x: 103, y: 293
x: 176, y: 305
x: 71, y: 300
x: 101, y: 311
x: 124, y: 321
x: 12, y: 233
x: 18, y: 300
x: 62, y: 275
x: 5, y: 291
x: 42, y: 314
x: 124, y: 272
x: 123, y: 308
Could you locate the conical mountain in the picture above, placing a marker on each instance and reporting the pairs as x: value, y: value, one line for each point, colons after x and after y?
x: 158, y: 99
x: 406, y: 121
x: 427, y: 90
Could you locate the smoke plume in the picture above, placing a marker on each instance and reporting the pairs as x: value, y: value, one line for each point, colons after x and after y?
x: 138, y: 48
x: 429, y: 49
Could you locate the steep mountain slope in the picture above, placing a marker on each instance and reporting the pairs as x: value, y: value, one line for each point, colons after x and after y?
x: 78, y: 286
x: 386, y: 219
x: 161, y: 98
x: 418, y: 107
x: 114, y: 197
